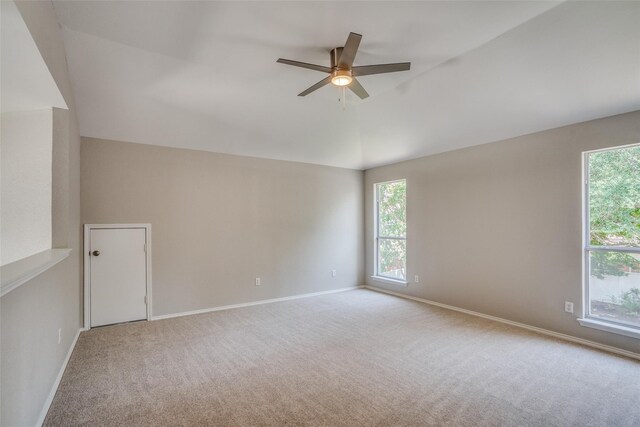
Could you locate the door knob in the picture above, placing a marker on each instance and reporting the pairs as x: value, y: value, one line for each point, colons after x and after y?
x: 95, y: 253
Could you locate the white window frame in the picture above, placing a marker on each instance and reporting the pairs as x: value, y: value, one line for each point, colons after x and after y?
x: 376, y: 238
x: 586, y: 319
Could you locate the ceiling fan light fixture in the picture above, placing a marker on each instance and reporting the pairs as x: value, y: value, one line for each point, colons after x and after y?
x: 341, y: 78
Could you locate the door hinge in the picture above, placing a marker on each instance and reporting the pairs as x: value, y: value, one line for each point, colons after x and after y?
x: 145, y: 299
x: 145, y: 248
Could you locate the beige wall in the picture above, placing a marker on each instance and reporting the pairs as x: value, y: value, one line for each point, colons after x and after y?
x: 219, y: 221
x: 25, y: 211
x: 31, y: 314
x: 496, y: 228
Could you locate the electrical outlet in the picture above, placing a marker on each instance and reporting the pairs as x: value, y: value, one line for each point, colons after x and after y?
x: 333, y: 273
x: 568, y: 307
x: 59, y: 335
x: 258, y: 281
x: 416, y: 278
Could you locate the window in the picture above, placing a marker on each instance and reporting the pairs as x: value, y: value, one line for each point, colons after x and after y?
x: 391, y: 230
x: 612, y: 237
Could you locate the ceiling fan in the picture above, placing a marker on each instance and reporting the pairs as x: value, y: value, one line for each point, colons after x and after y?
x: 342, y: 72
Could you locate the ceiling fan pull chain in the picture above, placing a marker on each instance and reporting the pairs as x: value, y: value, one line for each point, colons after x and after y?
x: 344, y: 97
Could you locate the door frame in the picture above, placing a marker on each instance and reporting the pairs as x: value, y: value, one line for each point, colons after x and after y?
x: 87, y: 265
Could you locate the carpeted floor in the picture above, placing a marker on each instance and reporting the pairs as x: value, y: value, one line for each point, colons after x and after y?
x: 358, y: 358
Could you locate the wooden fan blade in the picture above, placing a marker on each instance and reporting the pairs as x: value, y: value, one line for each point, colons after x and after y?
x: 349, y: 51
x: 367, y: 70
x: 304, y: 65
x: 357, y: 88
x: 316, y: 86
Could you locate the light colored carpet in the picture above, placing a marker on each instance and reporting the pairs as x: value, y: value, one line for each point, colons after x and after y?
x: 358, y: 358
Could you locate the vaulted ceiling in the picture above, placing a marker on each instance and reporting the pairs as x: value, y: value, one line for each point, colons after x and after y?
x: 26, y: 82
x: 202, y: 75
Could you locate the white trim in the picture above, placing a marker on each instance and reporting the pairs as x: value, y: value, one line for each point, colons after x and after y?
x: 86, y: 275
x: 613, y: 147
x: 626, y: 249
x: 610, y: 327
x: 56, y: 383
x: 20, y: 272
x: 564, y: 337
x: 390, y: 181
x: 87, y: 266
x: 252, y: 303
x: 390, y: 280
x: 584, y: 185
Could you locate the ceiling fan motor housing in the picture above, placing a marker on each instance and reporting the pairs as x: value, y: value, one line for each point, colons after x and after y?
x: 339, y: 76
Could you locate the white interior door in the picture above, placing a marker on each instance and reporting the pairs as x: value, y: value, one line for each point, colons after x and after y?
x: 118, y: 275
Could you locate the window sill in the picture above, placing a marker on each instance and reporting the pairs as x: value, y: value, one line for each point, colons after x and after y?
x: 20, y: 272
x: 390, y: 281
x: 610, y: 327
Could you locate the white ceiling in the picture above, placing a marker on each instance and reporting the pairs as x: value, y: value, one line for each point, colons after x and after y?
x: 26, y: 83
x: 203, y: 75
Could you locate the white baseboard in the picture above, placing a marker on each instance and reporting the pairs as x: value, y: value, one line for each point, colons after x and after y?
x: 249, y: 304
x: 56, y: 383
x: 565, y: 337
